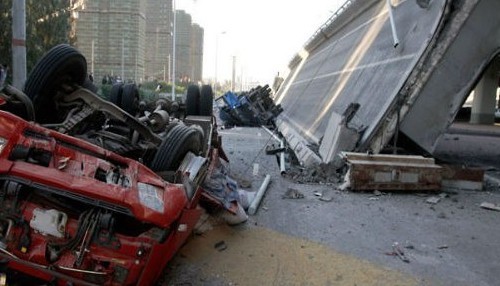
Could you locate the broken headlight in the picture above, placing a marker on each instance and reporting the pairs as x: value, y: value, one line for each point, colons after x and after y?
x: 3, y: 143
x: 151, y: 197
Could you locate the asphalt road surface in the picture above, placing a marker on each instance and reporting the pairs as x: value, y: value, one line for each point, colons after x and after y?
x: 347, y: 240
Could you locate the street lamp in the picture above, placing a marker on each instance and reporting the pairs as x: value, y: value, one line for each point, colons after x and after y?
x: 173, y: 51
x: 216, y: 58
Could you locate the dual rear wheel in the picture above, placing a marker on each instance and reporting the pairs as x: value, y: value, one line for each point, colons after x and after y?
x: 199, y: 102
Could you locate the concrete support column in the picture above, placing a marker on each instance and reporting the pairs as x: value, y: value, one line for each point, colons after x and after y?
x: 483, y: 105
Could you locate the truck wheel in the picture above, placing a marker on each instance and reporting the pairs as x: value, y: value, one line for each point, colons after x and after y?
x: 130, y: 99
x: 115, y: 95
x: 192, y: 100
x: 88, y: 84
x: 206, y: 100
x: 61, y: 65
x: 177, y: 143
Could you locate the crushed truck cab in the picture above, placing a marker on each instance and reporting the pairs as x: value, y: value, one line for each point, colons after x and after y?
x: 95, y: 190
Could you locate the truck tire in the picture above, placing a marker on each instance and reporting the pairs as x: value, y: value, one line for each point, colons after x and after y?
x: 88, y: 84
x: 177, y: 143
x: 206, y: 101
x: 62, y: 64
x: 192, y: 100
x: 130, y: 98
x: 115, y: 95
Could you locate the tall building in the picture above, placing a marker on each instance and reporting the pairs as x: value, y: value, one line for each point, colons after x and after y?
x: 133, y: 39
x: 189, y: 49
x: 111, y: 35
x: 197, y: 52
x: 159, y: 39
x: 183, y: 65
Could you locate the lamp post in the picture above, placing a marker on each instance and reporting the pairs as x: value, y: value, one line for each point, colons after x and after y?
x: 19, y: 43
x: 173, y: 50
x: 216, y: 59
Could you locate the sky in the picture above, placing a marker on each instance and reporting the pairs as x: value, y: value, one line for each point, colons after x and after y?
x: 262, y: 35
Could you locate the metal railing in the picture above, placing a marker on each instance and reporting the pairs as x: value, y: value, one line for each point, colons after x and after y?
x: 329, y: 21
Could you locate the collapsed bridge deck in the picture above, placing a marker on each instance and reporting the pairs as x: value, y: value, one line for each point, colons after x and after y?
x: 359, y: 80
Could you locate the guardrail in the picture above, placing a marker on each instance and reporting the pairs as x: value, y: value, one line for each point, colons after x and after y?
x: 328, y: 22
x: 319, y: 35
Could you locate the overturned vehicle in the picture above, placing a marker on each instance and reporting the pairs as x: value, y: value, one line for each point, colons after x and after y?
x: 252, y: 108
x: 97, y: 192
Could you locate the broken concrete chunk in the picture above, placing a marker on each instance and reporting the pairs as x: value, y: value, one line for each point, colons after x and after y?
x: 292, y: 194
x: 433, y: 200
x: 245, y: 183
x: 392, y: 172
x: 221, y: 245
x: 325, y: 195
x: 327, y: 198
x: 490, y: 206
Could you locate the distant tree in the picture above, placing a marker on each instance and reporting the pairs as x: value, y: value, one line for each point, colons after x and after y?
x: 47, y: 24
x: 6, y: 33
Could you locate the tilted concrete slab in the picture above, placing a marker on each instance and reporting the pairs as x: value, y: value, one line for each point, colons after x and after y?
x: 463, y: 49
x: 352, y: 60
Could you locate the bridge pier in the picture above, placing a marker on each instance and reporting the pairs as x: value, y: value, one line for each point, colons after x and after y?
x: 485, y: 94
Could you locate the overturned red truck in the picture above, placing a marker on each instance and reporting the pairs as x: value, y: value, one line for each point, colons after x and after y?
x: 97, y: 192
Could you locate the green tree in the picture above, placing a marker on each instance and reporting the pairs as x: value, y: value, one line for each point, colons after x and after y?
x: 5, y: 32
x: 48, y: 23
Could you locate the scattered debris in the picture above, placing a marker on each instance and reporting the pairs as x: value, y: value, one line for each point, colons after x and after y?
x: 327, y: 197
x: 433, y: 200
x: 273, y: 150
x: 281, y: 151
x: 260, y: 193
x: 220, y: 246
x: 490, y: 206
x: 326, y: 174
x: 255, y: 171
x: 245, y: 183
x: 443, y: 195
x: 397, y: 251
x: 409, y: 245
x: 377, y: 193
x: 292, y: 194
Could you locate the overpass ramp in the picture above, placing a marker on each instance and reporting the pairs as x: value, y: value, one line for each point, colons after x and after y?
x: 379, y: 68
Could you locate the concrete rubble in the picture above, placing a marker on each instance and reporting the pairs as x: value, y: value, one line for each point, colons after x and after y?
x: 490, y: 206
x: 444, y: 236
